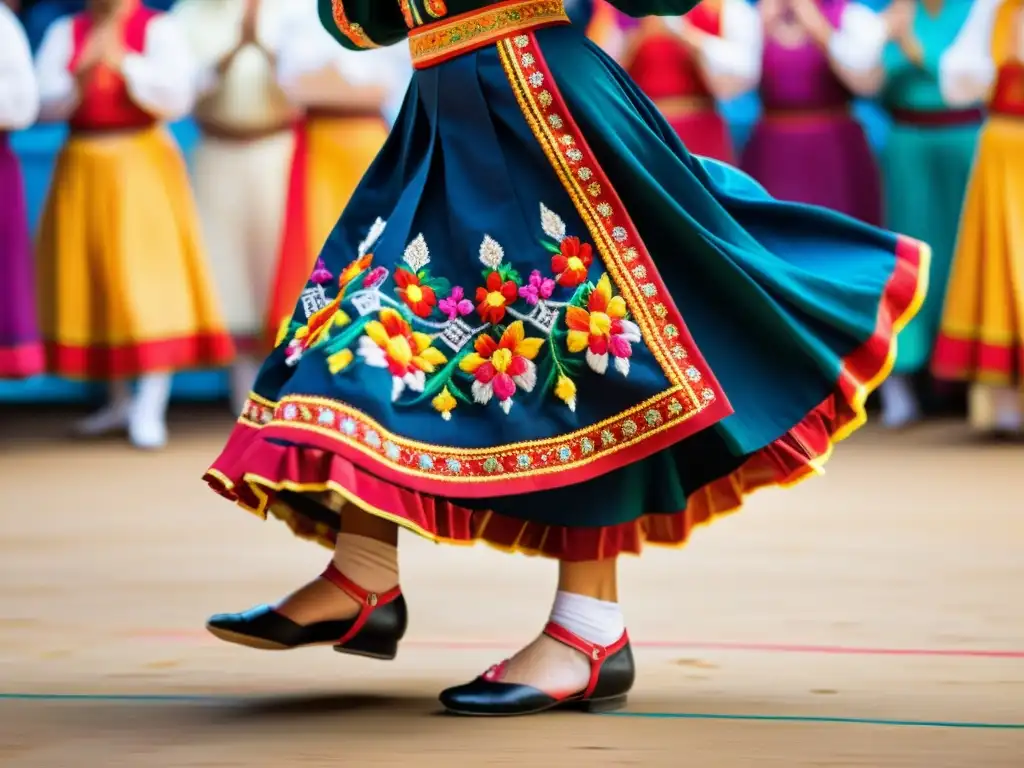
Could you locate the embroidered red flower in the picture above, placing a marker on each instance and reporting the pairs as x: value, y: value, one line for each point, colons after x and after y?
x: 499, y: 367
x: 602, y: 329
x: 493, y: 298
x: 418, y: 297
x: 570, y: 265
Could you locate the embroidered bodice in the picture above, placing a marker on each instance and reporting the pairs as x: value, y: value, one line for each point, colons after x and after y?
x: 372, y: 23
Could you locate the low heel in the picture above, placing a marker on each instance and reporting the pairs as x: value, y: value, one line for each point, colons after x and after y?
x: 597, y: 706
x: 371, y: 648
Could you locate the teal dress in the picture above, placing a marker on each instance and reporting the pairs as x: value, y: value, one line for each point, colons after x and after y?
x: 926, y: 164
x: 540, y: 322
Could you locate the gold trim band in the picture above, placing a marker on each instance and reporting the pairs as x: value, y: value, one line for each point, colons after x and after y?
x: 434, y: 43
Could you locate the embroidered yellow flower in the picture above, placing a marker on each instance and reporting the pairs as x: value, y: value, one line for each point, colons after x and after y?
x: 391, y: 343
x: 444, y: 404
x: 602, y: 328
x: 339, y: 361
x: 565, y: 390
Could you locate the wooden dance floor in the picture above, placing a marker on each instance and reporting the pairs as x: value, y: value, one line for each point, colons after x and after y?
x: 873, y: 617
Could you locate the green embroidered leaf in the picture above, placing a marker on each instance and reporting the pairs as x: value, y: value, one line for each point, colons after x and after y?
x: 551, y: 247
x: 508, y: 273
x: 346, y: 338
x: 437, y: 380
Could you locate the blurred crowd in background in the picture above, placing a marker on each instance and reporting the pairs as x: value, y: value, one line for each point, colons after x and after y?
x: 139, y: 267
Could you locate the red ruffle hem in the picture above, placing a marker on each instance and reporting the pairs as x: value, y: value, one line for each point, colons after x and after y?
x: 251, y: 470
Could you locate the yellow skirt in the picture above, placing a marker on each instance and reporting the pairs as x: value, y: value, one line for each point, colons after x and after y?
x: 123, y: 284
x: 982, y: 334
x: 331, y: 156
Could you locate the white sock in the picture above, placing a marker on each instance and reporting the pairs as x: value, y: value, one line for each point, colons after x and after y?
x: 899, y: 402
x: 113, y: 415
x: 597, y: 621
x: 371, y: 564
x: 147, y: 427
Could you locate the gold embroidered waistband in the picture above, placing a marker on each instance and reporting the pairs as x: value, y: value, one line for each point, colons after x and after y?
x: 443, y: 40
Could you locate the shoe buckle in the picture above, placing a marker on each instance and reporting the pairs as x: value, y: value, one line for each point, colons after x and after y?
x: 596, y: 654
x: 371, y: 599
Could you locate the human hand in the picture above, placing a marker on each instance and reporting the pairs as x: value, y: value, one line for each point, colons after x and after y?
x: 899, y: 19
x: 250, y: 17
x: 809, y: 16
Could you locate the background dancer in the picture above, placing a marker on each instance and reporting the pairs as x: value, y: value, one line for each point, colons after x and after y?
x: 347, y: 98
x: 982, y: 335
x: 122, y: 275
x: 926, y: 165
x: 21, y: 353
x: 686, y: 64
x: 242, y: 163
x: 807, y: 145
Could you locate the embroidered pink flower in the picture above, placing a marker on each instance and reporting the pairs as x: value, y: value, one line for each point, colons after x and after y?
x: 376, y: 277
x: 500, y: 367
x: 321, y: 275
x: 538, y: 287
x: 456, y: 304
x: 602, y: 329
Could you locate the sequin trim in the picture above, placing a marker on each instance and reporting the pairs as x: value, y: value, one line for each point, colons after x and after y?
x: 350, y: 29
x: 625, y: 257
x: 434, y: 43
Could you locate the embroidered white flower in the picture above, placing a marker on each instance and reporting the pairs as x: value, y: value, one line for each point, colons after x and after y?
x: 551, y: 223
x: 417, y: 255
x: 376, y: 230
x: 491, y: 253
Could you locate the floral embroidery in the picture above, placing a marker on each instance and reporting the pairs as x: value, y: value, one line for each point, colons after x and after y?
x: 565, y: 390
x: 494, y: 296
x: 435, y: 8
x: 499, y: 367
x: 419, y: 297
x: 572, y: 261
x: 492, y: 361
x: 321, y: 275
x: 456, y: 304
x: 391, y: 343
x: 538, y: 287
x: 602, y: 329
x: 444, y: 404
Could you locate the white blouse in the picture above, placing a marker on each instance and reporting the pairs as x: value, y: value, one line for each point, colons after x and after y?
x: 160, y: 79
x: 19, y: 94
x: 731, y: 61
x: 966, y: 69
x: 309, y: 51
x: 248, y: 96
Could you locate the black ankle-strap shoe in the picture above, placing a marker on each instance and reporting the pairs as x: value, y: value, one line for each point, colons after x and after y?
x: 373, y: 632
x: 612, y: 673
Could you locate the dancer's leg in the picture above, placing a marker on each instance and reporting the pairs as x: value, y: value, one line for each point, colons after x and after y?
x: 112, y: 416
x: 147, y: 425
x: 900, y: 407
x: 587, y: 605
x: 366, y: 551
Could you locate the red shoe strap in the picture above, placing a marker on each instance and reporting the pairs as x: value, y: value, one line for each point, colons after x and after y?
x: 596, y: 653
x: 369, y: 601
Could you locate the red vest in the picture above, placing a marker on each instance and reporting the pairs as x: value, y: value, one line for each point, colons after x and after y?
x: 105, y: 104
x: 663, y: 68
x: 1008, y: 94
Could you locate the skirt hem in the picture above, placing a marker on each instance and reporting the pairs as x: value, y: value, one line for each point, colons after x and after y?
x: 253, y: 470
x: 22, y: 361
